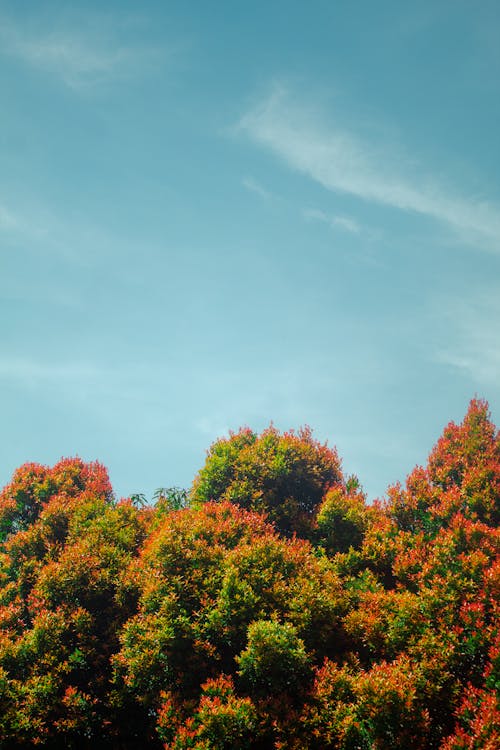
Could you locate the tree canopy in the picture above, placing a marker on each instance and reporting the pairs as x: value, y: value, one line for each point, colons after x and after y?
x: 268, y: 606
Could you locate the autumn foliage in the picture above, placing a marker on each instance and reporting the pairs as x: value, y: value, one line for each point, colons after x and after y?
x: 269, y: 607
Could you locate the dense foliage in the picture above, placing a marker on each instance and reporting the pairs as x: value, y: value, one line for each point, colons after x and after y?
x: 269, y: 607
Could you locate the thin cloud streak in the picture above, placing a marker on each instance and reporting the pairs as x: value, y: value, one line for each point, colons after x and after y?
x: 80, y: 59
x: 7, y: 219
x: 483, y: 369
x: 346, y: 223
x: 343, y: 163
x: 476, y: 350
x: 249, y: 183
x: 24, y: 370
x: 37, y: 230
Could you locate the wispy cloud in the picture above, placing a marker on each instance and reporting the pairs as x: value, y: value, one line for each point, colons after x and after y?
x: 7, y: 219
x: 37, y: 229
x: 81, y: 57
x: 342, y: 162
x: 483, y: 369
x: 32, y: 372
x: 345, y: 223
x: 249, y: 183
x: 476, y: 349
x: 211, y: 427
x: 19, y: 221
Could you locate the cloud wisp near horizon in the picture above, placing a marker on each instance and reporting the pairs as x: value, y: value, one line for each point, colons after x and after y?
x: 475, y: 352
x: 342, y: 162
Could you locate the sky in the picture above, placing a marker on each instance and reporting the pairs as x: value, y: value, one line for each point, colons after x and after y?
x: 216, y: 215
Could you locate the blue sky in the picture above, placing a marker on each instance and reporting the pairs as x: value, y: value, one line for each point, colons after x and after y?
x: 222, y: 214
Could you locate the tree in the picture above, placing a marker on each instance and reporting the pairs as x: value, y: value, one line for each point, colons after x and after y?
x: 206, y: 576
x: 62, y: 603
x: 275, y: 659
x: 284, y: 476
x: 214, y: 625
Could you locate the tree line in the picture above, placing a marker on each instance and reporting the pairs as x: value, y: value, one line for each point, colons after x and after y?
x: 270, y: 606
